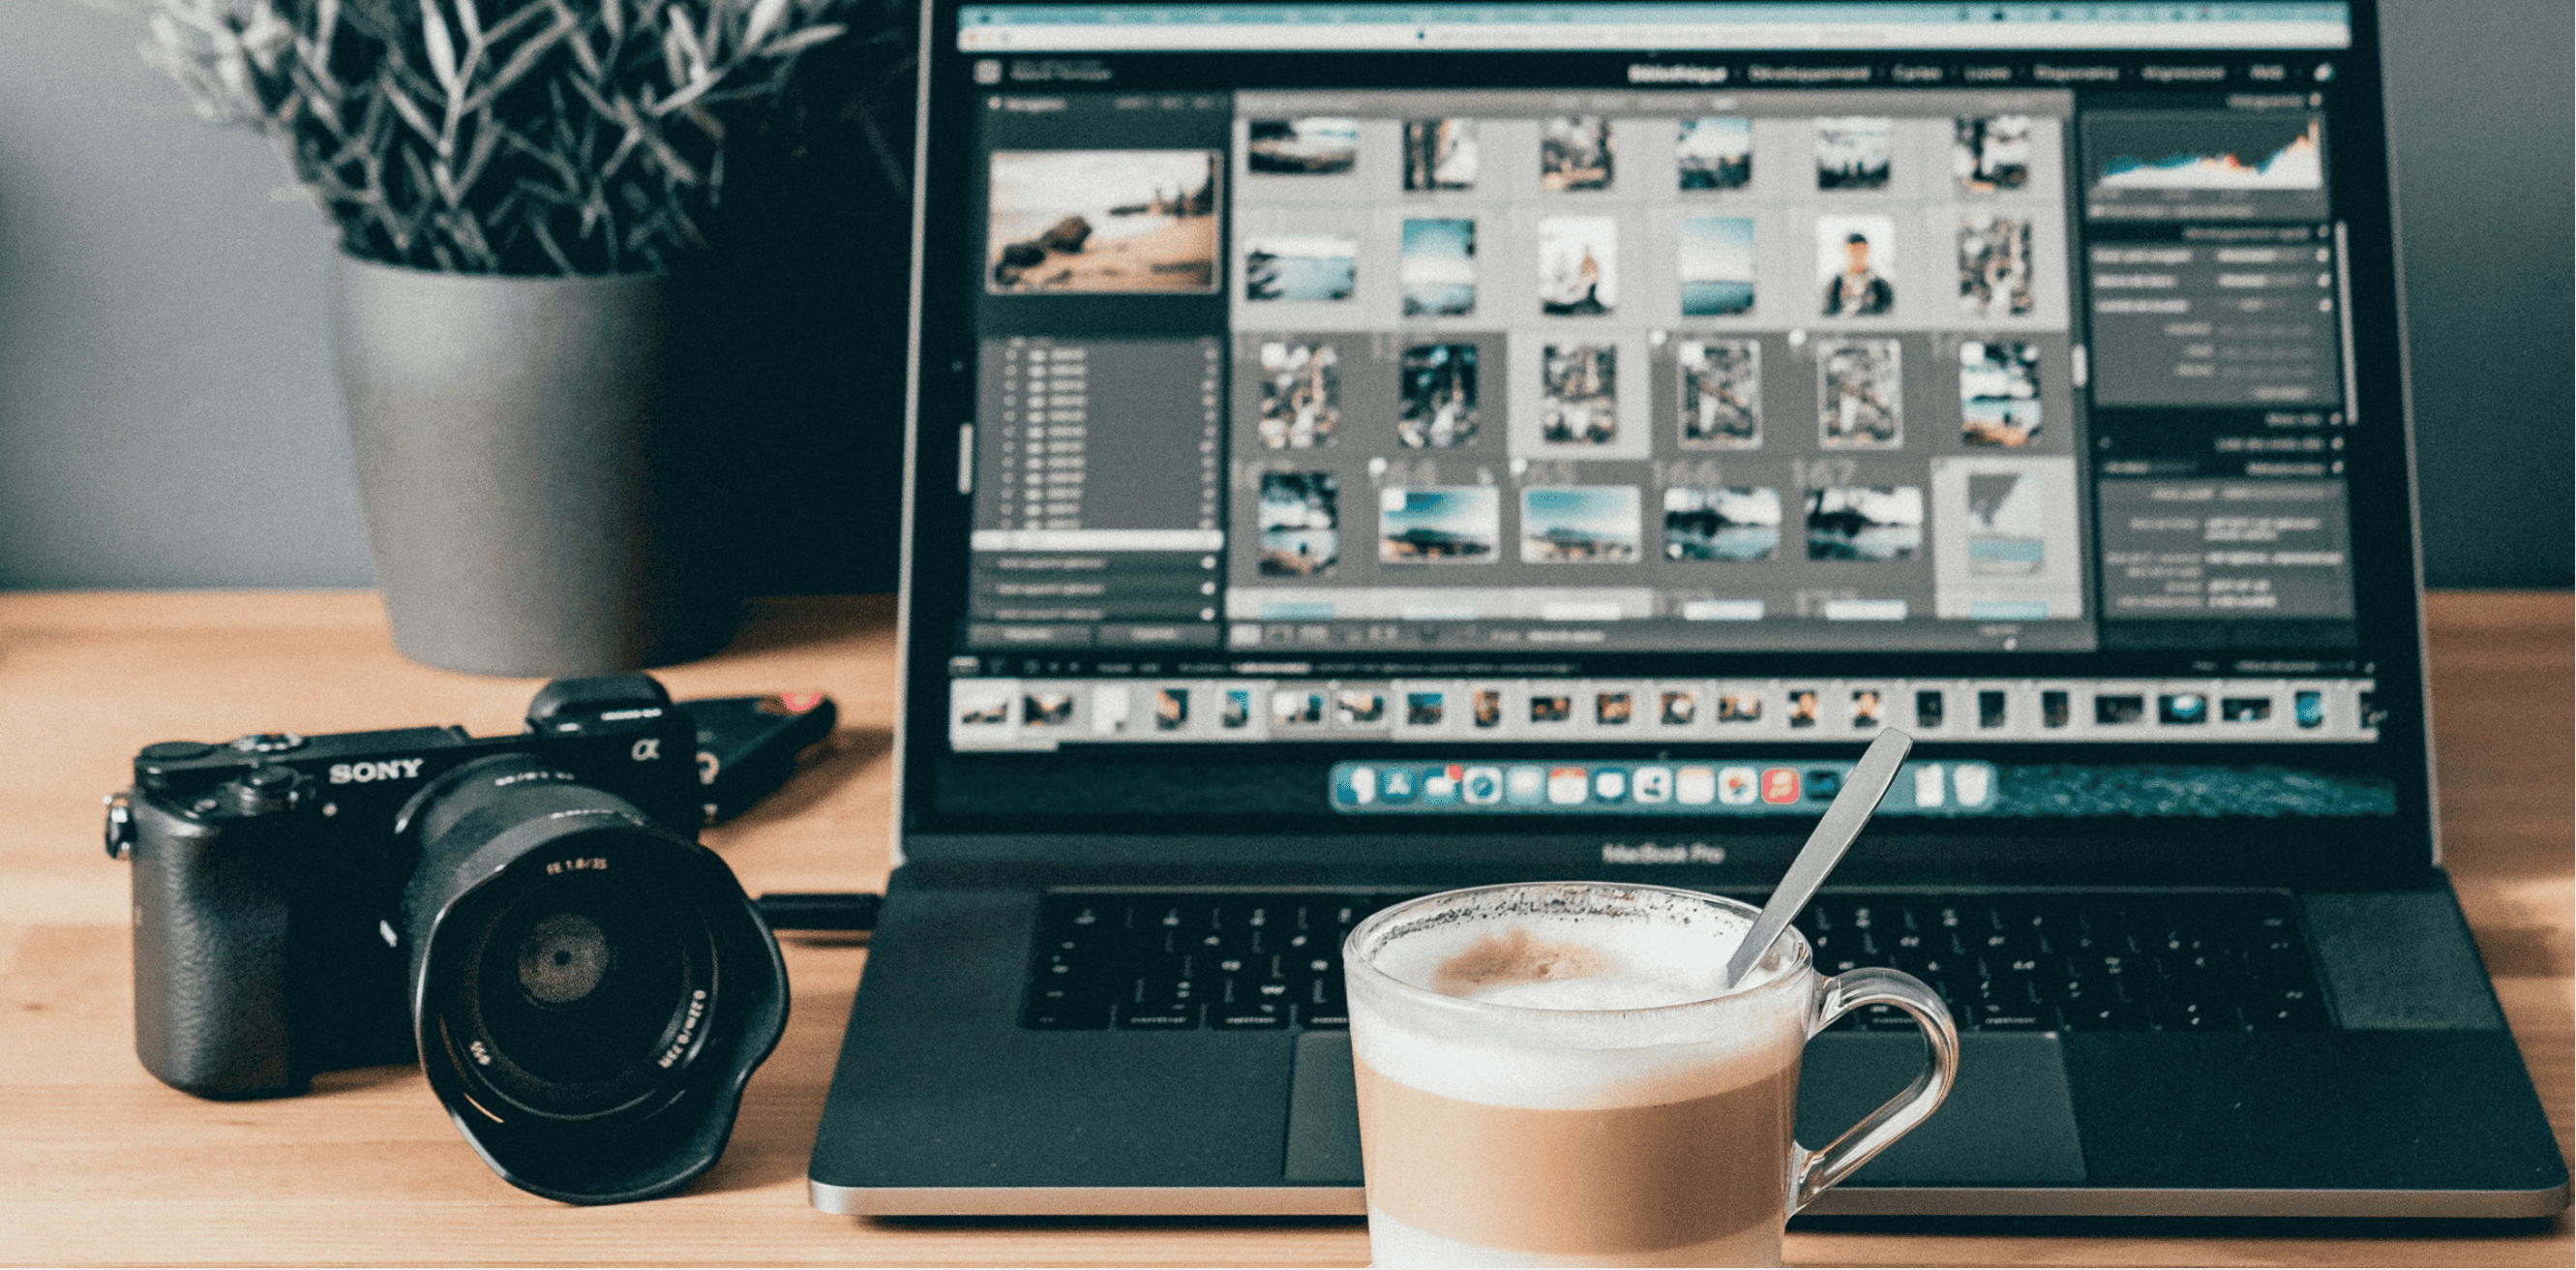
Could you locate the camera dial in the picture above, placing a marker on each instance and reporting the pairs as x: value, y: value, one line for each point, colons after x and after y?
x: 263, y: 790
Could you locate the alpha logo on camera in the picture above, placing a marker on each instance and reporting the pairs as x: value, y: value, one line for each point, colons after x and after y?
x: 392, y: 769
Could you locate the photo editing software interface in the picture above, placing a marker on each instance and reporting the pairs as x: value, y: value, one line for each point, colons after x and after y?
x: 1533, y: 431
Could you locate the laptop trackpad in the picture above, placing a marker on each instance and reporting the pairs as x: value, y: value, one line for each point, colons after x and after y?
x: 2008, y: 1121
x: 1323, y: 1112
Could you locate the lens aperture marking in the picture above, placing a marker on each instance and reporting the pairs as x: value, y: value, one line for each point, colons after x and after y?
x: 688, y: 1028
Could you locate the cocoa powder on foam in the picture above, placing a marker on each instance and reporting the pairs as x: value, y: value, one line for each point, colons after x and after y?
x: 1516, y: 957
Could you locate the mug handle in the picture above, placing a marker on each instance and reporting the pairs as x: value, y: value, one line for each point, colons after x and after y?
x: 1814, y: 1171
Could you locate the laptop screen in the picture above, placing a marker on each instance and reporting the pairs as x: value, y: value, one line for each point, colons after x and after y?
x: 1355, y: 417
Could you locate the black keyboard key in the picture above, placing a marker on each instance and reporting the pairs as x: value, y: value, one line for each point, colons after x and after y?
x: 2027, y: 1017
x: 1881, y: 1018
x: 1271, y: 1014
x: 1065, y: 1007
x: 2184, y: 1015
x: 2286, y: 1010
x: 2104, y: 1014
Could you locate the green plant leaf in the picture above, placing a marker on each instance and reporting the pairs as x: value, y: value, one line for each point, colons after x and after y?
x: 524, y: 59
x: 765, y: 15
x: 789, y: 45
x: 442, y: 51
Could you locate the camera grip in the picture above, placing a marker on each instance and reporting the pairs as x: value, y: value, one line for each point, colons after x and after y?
x: 211, y: 915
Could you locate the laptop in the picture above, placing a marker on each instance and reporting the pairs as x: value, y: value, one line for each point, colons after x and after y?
x: 1364, y: 449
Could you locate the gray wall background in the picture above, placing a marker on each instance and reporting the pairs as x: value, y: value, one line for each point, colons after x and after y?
x: 168, y: 416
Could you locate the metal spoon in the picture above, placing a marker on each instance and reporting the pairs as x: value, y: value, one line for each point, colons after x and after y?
x: 1851, y: 809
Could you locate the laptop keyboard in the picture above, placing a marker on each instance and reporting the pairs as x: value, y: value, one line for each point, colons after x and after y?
x: 2005, y: 962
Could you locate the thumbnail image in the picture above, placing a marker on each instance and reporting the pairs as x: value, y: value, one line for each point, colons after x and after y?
x: 1804, y: 705
x: 1721, y: 524
x: 1715, y: 154
x: 2007, y: 525
x: 1438, y: 383
x: 1998, y: 393
x: 1613, y: 709
x: 1486, y: 708
x: 1301, y: 395
x: 1046, y: 709
x: 1860, y: 406
x: 1238, y: 708
x: 1108, y: 709
x: 1578, y: 265
x: 1680, y: 709
x: 1574, y: 153
x: 1103, y: 220
x: 1865, y: 706
x: 1994, y: 266
x: 1854, y: 255
x: 1716, y: 265
x: 1739, y: 707
x: 1318, y: 146
x: 1854, y: 522
x: 1439, y: 154
x: 1424, y: 709
x: 1551, y: 707
x: 1580, y: 523
x: 1851, y: 153
x: 1991, y: 153
x: 1298, y: 523
x: 983, y: 706
x: 1359, y: 707
x: 1579, y: 394
x: 1721, y: 401
x: 1438, y: 268
x: 1439, y: 524
x: 1291, y: 707
x: 1300, y: 267
x: 1171, y: 709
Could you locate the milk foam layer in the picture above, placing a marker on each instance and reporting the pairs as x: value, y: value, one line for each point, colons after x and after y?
x: 1603, y: 1041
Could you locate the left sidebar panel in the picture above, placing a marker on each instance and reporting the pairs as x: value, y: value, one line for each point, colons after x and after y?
x: 1099, y: 447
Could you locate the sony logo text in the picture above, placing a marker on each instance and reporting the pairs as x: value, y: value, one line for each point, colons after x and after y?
x: 392, y: 769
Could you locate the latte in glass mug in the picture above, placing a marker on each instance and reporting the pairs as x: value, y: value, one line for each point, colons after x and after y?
x: 1556, y: 1074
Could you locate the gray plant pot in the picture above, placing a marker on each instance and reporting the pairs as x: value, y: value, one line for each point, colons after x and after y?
x: 526, y: 464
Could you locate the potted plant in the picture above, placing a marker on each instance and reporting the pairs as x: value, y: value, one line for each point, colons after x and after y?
x: 518, y: 188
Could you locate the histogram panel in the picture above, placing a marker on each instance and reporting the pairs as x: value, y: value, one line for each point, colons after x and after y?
x: 2237, y: 165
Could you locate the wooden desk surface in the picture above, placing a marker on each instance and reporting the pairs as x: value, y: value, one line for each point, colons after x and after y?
x: 100, y: 1164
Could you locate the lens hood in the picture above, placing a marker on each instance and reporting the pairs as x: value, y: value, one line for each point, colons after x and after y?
x: 590, y: 992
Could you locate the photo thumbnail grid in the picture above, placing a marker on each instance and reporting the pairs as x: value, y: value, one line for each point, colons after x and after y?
x: 1564, y: 300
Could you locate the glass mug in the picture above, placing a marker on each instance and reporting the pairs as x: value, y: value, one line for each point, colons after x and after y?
x: 1551, y: 1074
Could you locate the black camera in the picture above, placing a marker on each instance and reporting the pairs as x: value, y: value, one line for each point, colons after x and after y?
x: 530, y: 917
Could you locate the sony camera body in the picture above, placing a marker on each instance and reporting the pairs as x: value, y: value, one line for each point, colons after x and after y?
x: 530, y: 917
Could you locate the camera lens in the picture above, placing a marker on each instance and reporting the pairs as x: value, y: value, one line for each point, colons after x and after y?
x: 582, y: 982
x: 590, y: 990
